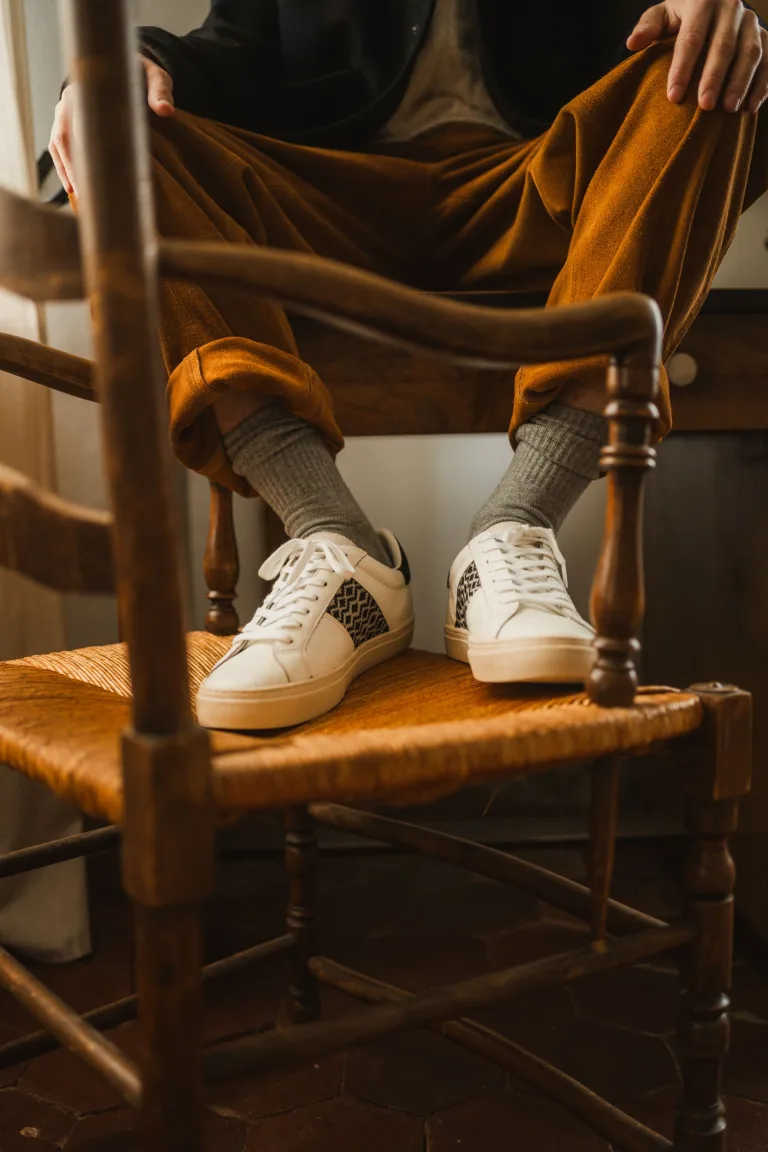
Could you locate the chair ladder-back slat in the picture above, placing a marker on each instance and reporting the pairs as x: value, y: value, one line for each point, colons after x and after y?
x: 62, y: 546
x: 39, y: 250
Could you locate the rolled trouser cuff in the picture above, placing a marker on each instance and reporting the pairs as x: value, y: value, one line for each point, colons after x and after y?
x: 538, y: 385
x: 242, y: 365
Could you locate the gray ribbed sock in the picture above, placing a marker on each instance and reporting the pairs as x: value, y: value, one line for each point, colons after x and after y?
x: 556, y: 457
x: 285, y: 459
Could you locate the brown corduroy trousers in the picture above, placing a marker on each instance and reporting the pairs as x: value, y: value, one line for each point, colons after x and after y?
x: 624, y: 191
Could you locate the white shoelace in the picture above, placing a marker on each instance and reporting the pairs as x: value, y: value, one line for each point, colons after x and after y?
x: 300, y: 569
x: 528, y: 568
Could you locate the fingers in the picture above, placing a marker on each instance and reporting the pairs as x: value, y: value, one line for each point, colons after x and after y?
x: 60, y: 143
x: 749, y: 54
x: 60, y: 169
x: 691, y: 37
x: 727, y: 49
x: 159, y: 88
x: 651, y: 26
x: 758, y: 91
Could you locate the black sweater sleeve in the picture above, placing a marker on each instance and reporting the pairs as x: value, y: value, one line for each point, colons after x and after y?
x: 230, y: 69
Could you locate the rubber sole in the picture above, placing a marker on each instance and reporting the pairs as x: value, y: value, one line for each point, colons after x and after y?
x: 531, y: 661
x: 285, y: 706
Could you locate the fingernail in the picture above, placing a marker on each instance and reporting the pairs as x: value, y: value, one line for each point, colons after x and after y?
x: 732, y: 103
x: 676, y: 93
x: 707, y: 100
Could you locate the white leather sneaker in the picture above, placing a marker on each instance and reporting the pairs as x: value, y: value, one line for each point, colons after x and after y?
x: 509, y: 613
x: 332, y: 612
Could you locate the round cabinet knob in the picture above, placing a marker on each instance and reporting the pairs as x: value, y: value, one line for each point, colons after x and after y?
x: 682, y: 369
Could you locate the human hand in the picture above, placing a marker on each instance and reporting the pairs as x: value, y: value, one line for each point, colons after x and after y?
x: 728, y: 35
x: 60, y: 145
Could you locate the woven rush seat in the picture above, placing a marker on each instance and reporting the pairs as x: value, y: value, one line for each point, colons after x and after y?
x: 414, y: 728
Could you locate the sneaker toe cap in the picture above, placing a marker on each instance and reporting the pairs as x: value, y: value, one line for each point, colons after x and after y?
x: 256, y: 667
x: 531, y: 624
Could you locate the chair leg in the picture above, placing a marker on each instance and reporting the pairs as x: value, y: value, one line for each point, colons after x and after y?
x: 704, y: 1024
x: 303, y: 1003
x: 168, y: 864
x: 168, y: 962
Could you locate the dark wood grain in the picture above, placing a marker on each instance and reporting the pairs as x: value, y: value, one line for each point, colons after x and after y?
x: 436, y: 1004
x: 303, y: 1003
x: 48, y: 366
x: 707, y: 489
x: 618, y: 590
x: 730, y: 392
x: 168, y: 820
x: 109, y: 1015
x: 118, y: 244
x: 61, y: 545
x: 556, y: 890
x: 723, y: 755
x: 379, y: 390
x: 54, y: 851
x: 704, y: 1028
x: 221, y: 565
x: 80, y: 1037
x: 603, y: 826
x: 361, y: 302
x: 623, y: 1131
x: 39, y: 250
x: 168, y: 964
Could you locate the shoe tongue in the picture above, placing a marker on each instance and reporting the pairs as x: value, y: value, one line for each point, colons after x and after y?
x: 333, y: 538
x: 507, y: 526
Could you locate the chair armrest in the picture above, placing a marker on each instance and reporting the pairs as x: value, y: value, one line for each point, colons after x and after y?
x: 48, y: 366
x: 354, y: 300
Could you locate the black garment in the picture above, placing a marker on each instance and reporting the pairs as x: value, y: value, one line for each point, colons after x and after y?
x: 332, y: 72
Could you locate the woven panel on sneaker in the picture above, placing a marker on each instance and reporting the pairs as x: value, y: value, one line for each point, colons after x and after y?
x: 356, y: 610
x: 468, y: 585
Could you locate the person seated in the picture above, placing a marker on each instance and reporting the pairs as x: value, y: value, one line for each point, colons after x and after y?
x: 577, y: 148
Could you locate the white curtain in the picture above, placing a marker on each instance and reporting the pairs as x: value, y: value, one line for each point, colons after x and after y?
x: 42, y: 913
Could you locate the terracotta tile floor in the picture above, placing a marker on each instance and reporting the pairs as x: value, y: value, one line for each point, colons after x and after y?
x: 414, y: 923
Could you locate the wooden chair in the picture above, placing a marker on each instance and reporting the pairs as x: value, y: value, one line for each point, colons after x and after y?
x: 111, y: 729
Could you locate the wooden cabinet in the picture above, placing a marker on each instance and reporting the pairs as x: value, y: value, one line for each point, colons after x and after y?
x: 377, y: 388
x: 707, y: 544
x: 728, y: 347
